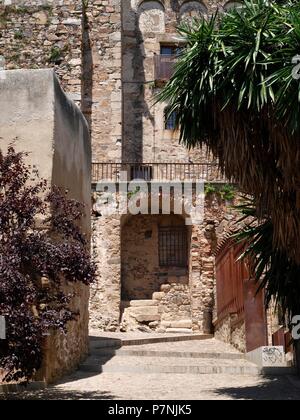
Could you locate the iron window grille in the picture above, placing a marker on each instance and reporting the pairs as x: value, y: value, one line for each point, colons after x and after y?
x: 173, y: 247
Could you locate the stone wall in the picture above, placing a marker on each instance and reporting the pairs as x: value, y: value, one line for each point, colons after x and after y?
x: 103, y: 52
x: 102, y: 74
x: 126, y: 249
x: 44, y: 33
x: 232, y: 333
x: 82, y: 42
x: 105, y: 302
x: 42, y: 121
x: 219, y: 217
x: 145, y: 27
x: 175, y: 306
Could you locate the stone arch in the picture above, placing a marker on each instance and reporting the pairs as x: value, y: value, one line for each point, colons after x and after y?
x: 151, y: 16
x: 192, y: 9
x: 232, y: 5
x: 138, y: 3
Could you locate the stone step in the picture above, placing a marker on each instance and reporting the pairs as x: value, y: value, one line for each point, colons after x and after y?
x: 158, y: 296
x: 143, y: 310
x: 141, y: 339
x: 147, y: 318
x: 182, y: 323
x: 179, y: 331
x: 96, y: 343
x: 143, y: 303
x: 169, y: 365
x: 143, y: 313
x: 128, y: 352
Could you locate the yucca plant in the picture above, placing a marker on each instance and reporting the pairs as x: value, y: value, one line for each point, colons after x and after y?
x: 233, y: 91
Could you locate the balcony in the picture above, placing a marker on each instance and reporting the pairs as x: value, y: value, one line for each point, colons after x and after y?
x: 164, y: 67
x: 162, y: 172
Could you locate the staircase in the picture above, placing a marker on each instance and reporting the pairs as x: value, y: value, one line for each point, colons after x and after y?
x: 191, y: 356
x: 143, y: 311
x: 146, y: 315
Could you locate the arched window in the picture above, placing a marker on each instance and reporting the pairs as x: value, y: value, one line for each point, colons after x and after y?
x: 151, y: 16
x: 192, y: 9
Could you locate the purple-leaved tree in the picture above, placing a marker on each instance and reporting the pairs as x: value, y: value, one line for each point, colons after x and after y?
x: 41, y: 247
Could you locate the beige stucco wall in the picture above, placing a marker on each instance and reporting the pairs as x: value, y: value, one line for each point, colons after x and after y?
x: 42, y: 121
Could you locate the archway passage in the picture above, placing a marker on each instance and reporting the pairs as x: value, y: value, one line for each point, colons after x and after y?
x: 155, y: 251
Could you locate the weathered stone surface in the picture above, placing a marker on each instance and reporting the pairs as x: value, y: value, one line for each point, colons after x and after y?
x: 35, y: 34
x: 179, y: 330
x: 158, y: 295
x: 186, y: 323
x: 138, y: 303
x: 229, y: 333
x: 106, y: 291
x: 147, y: 318
x: 144, y: 310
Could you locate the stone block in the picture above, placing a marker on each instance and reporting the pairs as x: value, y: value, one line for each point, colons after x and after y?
x: 158, y: 296
x: 143, y: 303
x: 186, y: 323
x: 268, y: 356
x: 144, y: 310
x: 179, y: 330
x: 165, y: 288
x: 147, y: 318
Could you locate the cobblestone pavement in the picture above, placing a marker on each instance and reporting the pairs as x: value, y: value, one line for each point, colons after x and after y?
x: 108, y: 386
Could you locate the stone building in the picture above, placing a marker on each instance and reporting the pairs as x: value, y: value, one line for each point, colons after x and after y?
x: 155, y: 272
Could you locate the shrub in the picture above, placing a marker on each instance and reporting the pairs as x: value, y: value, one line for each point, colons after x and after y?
x: 41, y: 247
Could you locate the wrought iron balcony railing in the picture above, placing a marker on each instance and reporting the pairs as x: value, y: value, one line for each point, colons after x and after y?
x: 164, y: 67
x: 208, y: 172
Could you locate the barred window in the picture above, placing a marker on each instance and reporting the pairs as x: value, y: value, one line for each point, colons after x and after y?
x: 170, y: 50
x: 170, y: 123
x: 173, y: 246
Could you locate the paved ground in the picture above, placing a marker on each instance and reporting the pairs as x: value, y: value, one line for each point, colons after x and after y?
x: 160, y: 386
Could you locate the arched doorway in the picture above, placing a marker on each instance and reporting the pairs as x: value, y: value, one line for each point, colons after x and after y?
x: 154, y: 250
